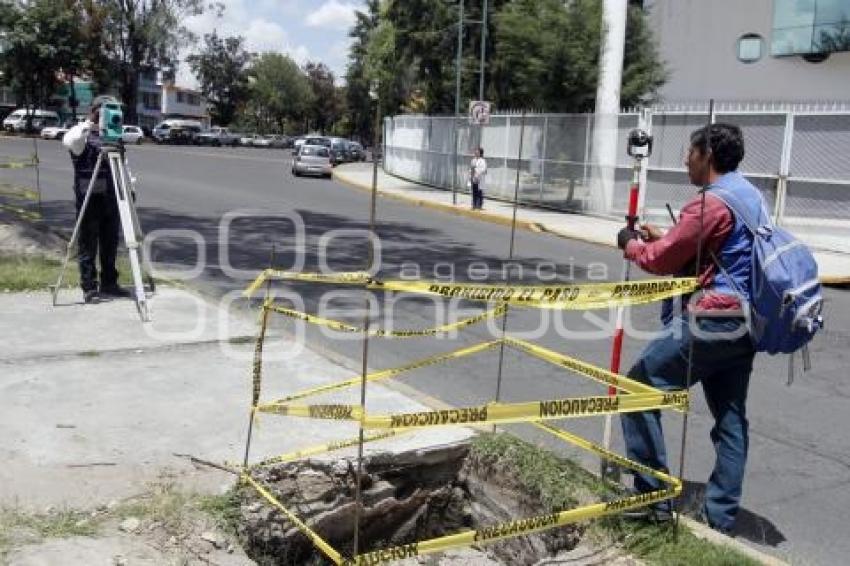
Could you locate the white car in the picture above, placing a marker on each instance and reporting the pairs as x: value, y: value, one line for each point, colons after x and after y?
x: 132, y: 134
x: 54, y: 132
x: 312, y: 160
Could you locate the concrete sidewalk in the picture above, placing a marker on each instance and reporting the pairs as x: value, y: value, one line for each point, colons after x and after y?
x: 95, y: 405
x: 834, y: 267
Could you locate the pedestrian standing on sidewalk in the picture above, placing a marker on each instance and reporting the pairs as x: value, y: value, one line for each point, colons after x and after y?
x: 713, y: 322
x: 477, y: 174
x: 99, y: 230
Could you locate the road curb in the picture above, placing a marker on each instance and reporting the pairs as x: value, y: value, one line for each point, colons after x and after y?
x: 451, y: 209
x: 705, y: 532
x: 536, y: 227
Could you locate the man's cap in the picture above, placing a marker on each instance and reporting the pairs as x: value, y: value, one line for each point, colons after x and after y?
x: 103, y: 99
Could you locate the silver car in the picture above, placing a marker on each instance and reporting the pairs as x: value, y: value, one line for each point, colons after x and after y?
x: 312, y: 160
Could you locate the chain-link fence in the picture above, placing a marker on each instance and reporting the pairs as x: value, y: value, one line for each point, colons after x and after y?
x: 795, y: 156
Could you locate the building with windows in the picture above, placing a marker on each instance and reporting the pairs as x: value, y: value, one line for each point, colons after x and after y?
x: 183, y: 103
x: 758, y: 50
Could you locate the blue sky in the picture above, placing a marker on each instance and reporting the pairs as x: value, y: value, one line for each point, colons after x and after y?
x: 315, y: 30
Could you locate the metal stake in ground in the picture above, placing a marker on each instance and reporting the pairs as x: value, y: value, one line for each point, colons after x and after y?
x: 639, y: 148
x: 257, y: 369
x: 37, y: 175
x: 691, y: 347
x: 510, y: 257
x: 358, y: 495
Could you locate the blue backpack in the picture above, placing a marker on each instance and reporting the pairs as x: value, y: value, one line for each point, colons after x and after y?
x: 785, y: 311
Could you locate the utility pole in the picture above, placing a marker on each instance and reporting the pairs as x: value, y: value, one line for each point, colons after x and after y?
x: 608, y: 101
x: 458, y: 63
x: 483, y: 50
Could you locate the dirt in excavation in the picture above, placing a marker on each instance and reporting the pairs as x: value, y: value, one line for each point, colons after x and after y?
x: 407, y: 497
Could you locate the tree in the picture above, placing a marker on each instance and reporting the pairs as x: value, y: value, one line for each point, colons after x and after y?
x: 279, y: 92
x: 547, y: 56
x: 41, y: 39
x: 222, y: 69
x: 325, y: 106
x: 356, y: 76
x: 139, y: 33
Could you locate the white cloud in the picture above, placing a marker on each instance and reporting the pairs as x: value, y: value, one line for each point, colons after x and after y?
x: 241, y: 18
x: 333, y: 14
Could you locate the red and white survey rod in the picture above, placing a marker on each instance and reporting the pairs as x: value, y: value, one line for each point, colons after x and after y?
x: 639, y: 148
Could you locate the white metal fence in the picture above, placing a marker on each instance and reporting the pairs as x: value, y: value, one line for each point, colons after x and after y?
x: 798, y: 156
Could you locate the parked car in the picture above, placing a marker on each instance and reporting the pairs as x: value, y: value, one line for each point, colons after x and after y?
x: 132, y: 134
x: 356, y: 151
x: 263, y: 141
x: 339, y: 151
x: 218, y: 136
x: 296, y: 145
x: 185, y: 131
x: 247, y: 139
x: 312, y: 160
x: 17, y: 120
x: 280, y: 142
x: 54, y: 132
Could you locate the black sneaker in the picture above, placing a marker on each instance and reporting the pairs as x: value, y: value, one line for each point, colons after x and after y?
x: 91, y: 297
x: 115, y: 292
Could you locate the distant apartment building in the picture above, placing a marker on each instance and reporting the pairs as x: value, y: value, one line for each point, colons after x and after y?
x: 753, y: 50
x: 183, y: 103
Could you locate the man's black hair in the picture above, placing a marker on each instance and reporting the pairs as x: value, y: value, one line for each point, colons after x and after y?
x: 726, y: 143
x: 481, y: 150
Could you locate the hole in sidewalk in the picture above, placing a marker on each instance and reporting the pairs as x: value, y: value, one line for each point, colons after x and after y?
x: 408, y: 497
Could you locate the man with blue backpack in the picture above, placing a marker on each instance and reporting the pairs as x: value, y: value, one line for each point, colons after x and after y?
x: 758, y: 292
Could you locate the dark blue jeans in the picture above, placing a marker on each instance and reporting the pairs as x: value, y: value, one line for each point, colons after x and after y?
x: 723, y: 365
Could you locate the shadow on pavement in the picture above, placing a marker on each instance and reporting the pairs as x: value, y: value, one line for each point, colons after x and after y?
x: 749, y: 526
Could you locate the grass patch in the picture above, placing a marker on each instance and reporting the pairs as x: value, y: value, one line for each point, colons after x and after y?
x: 34, y: 527
x: 38, y: 273
x: 31, y: 273
x: 559, y: 483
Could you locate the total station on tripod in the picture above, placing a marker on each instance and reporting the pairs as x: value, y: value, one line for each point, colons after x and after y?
x: 110, y: 123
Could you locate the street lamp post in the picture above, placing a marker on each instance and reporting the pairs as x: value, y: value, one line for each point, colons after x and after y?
x: 458, y: 62
x: 483, y: 50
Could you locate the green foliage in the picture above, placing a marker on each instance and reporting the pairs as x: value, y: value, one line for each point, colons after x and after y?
x: 279, y: 93
x: 541, y: 54
x: 326, y: 104
x: 41, y: 38
x: 222, y: 69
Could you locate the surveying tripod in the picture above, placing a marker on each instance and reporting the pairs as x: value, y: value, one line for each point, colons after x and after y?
x: 122, y: 184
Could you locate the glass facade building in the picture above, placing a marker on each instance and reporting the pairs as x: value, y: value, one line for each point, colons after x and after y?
x: 803, y: 27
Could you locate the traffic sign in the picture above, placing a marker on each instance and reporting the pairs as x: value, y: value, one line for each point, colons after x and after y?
x: 479, y: 112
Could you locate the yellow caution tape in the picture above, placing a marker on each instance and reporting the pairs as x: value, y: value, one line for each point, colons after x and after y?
x: 342, y: 277
x: 318, y: 541
x: 392, y: 372
x: 416, y: 333
x: 596, y: 373
x: 512, y: 529
x: 257, y: 373
x: 330, y: 447
x: 566, y: 297
x: 607, y: 454
x: 490, y: 413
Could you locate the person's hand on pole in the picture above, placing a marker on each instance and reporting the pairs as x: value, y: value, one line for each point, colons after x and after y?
x: 625, y: 235
x: 651, y: 232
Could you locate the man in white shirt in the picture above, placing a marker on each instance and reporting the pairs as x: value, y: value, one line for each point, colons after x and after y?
x: 101, y: 225
x: 477, y: 173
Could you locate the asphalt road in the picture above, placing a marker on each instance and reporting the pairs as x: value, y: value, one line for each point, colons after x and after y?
x: 797, y: 489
